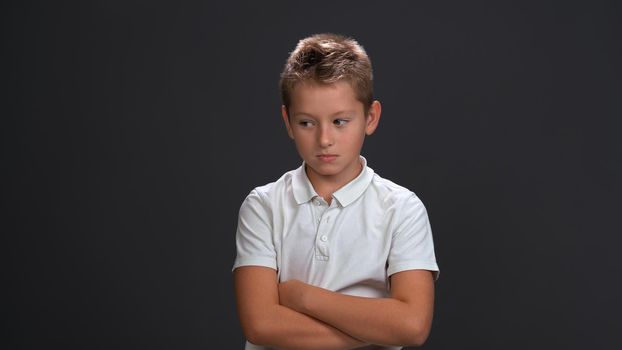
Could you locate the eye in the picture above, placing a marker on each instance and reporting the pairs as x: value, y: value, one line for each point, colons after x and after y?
x: 305, y: 123
x: 341, y: 122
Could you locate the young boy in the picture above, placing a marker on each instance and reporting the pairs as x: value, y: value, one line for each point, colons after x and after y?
x: 331, y: 255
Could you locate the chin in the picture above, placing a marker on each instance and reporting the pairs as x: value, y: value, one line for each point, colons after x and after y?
x: 324, y: 169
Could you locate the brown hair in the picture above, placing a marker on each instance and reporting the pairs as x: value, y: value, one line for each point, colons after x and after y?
x: 327, y: 58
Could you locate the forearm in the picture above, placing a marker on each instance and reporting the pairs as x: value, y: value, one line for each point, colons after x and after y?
x: 385, y: 321
x: 404, y: 319
x: 268, y: 323
x: 289, y: 329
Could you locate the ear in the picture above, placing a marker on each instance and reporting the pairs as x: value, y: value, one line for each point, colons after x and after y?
x: 286, y: 121
x: 373, y: 117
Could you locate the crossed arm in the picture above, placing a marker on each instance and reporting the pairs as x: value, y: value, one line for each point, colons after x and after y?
x: 296, y: 315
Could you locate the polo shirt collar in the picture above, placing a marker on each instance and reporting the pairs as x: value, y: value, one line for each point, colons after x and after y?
x: 303, y: 189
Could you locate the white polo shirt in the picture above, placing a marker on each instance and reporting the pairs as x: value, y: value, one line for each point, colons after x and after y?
x: 372, y: 229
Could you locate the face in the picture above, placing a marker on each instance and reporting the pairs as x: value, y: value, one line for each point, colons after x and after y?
x: 328, y: 125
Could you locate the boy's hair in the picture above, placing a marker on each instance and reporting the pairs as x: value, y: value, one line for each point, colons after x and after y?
x: 327, y: 58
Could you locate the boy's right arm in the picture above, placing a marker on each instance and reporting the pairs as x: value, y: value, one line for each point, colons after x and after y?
x: 265, y: 322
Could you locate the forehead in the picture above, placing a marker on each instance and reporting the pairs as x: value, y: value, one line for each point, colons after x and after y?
x: 324, y: 99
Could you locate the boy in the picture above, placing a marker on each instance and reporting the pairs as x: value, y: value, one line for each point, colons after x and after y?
x: 331, y: 255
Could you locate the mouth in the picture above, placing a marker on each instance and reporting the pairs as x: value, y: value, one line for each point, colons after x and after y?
x: 327, y: 157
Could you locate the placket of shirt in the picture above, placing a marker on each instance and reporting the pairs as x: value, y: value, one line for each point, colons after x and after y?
x: 324, y: 222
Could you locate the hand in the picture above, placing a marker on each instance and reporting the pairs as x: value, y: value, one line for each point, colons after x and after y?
x: 291, y: 294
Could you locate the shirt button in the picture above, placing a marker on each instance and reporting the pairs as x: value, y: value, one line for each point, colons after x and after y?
x: 324, y: 238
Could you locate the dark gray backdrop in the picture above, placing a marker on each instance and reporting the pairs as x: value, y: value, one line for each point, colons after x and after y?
x: 132, y: 131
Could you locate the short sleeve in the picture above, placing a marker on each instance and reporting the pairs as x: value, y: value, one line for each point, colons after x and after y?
x: 253, y: 238
x: 412, y: 247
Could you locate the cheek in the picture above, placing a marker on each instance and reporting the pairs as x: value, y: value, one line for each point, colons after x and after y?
x: 357, y: 136
x: 302, y: 141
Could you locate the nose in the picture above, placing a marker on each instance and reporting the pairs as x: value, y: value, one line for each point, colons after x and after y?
x: 325, y: 136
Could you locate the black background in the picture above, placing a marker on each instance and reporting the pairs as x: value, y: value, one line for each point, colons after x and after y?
x: 132, y: 131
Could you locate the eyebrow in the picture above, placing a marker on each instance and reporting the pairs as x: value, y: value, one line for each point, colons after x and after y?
x: 302, y: 114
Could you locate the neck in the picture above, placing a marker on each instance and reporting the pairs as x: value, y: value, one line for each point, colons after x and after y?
x: 325, y: 186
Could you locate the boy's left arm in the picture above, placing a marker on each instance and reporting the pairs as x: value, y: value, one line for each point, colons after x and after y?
x: 403, y: 319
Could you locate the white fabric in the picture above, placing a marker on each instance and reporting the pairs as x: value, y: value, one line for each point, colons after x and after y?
x: 372, y: 229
